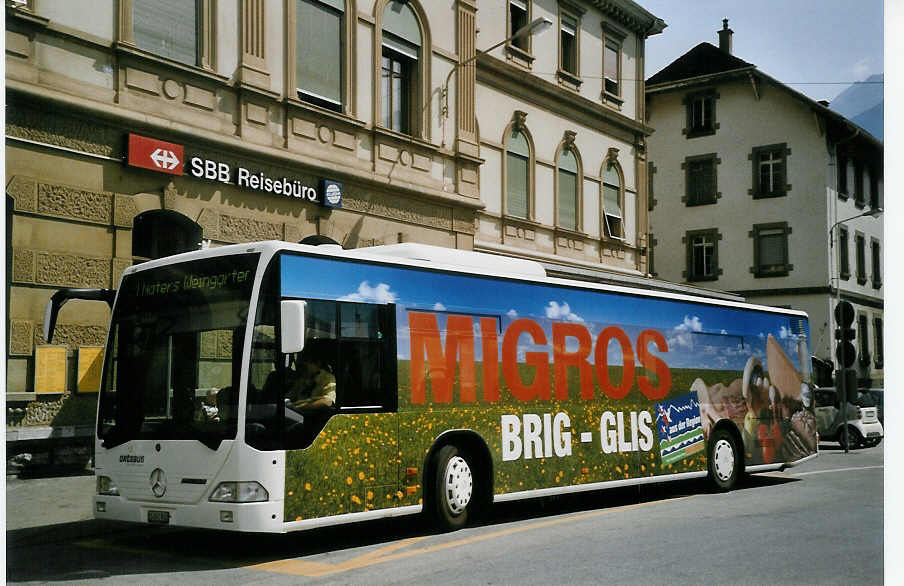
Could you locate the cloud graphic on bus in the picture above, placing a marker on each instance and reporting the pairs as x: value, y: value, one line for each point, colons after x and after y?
x: 561, y: 312
x: 379, y: 294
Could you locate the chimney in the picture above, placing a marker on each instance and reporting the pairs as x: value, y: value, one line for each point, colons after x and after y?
x: 725, y: 37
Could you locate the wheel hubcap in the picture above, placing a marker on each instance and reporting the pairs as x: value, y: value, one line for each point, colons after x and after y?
x: 458, y: 484
x: 724, y: 460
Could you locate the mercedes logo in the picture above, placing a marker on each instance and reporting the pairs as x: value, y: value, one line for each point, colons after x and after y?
x: 158, y: 482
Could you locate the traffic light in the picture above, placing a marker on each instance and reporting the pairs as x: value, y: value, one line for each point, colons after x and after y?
x: 845, y: 351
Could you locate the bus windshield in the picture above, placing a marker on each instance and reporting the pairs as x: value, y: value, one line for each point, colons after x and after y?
x: 174, y: 355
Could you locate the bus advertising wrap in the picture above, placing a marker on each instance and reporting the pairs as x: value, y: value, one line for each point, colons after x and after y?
x: 565, y: 385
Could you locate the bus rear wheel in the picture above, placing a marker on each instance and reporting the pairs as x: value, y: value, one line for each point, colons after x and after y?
x: 724, y: 460
x: 453, y: 489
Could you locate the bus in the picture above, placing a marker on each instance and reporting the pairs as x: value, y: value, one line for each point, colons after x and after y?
x: 272, y: 387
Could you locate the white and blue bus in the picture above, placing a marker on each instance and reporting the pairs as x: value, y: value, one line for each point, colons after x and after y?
x: 273, y: 387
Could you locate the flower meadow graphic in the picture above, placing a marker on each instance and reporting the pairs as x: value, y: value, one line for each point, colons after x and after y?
x: 560, y: 386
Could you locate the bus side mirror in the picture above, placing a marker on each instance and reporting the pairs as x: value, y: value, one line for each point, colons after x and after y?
x: 59, y: 299
x: 292, y: 326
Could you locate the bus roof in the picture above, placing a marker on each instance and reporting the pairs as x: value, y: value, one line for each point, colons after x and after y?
x: 459, y: 261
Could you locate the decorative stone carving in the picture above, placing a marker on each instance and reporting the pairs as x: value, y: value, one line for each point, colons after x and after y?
x: 236, y: 229
x: 21, y: 337
x: 24, y: 190
x: 256, y: 113
x: 79, y: 134
x: 421, y: 162
x: 344, y: 140
x: 519, y: 118
x: 119, y: 266
x: 520, y: 232
x: 23, y: 266
x: 325, y: 133
x: 63, y: 201
x: 142, y: 80
x: 305, y: 128
x: 200, y: 97
x: 388, y: 153
x: 224, y: 344
x: 292, y: 232
x: 463, y: 221
x: 73, y: 335
x: 172, y: 89
x: 209, y: 221
x: 612, y: 155
x: 209, y: 344
x: 169, y: 196
x: 124, y: 211
x: 568, y: 139
x: 397, y: 208
x: 70, y: 270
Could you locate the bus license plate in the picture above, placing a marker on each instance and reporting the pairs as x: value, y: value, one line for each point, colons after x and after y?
x: 161, y: 517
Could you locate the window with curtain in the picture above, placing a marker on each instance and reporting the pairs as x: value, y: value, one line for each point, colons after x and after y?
x: 517, y: 175
x: 612, y: 209
x: 319, y: 53
x: 401, y: 52
x: 611, y: 69
x: 568, y: 190
x: 168, y: 28
x: 771, y: 250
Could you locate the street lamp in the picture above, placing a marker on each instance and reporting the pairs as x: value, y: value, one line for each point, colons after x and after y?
x: 840, y: 378
x: 537, y: 26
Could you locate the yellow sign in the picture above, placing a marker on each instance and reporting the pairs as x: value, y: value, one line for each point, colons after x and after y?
x: 90, y: 359
x: 50, y: 369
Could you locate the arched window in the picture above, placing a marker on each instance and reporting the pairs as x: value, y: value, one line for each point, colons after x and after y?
x: 400, y: 68
x: 567, y: 192
x: 613, y: 215
x: 159, y: 233
x: 517, y: 175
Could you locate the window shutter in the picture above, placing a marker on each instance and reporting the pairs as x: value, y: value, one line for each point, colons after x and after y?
x: 168, y: 28
x: 516, y: 185
x: 319, y: 50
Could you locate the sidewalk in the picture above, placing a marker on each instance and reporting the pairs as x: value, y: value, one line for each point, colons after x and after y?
x: 40, y: 502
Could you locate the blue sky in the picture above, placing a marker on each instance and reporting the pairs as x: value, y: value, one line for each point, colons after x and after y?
x: 698, y: 336
x: 819, y: 47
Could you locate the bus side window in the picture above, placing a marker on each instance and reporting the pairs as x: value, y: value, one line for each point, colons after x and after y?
x: 367, y: 357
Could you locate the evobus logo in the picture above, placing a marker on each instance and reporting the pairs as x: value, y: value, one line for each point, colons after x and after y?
x: 130, y: 459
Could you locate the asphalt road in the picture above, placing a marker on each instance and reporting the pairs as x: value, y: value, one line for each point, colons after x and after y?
x: 820, y: 523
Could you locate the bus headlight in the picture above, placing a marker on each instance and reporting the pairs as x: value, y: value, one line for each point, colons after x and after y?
x: 105, y: 486
x: 239, y: 492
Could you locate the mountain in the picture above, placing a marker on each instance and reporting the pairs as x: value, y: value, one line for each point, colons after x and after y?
x: 863, y: 103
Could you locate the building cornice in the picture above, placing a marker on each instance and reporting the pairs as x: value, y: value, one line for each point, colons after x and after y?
x: 496, y: 73
x: 631, y: 15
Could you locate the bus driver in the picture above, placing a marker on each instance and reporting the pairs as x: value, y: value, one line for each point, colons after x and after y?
x: 310, y: 386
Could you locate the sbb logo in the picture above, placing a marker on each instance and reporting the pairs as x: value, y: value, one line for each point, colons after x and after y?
x: 212, y: 170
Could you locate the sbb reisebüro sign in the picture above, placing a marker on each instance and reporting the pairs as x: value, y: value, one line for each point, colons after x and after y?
x: 166, y: 157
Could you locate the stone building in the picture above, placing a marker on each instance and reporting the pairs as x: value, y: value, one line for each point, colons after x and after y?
x: 137, y: 129
x: 748, y: 177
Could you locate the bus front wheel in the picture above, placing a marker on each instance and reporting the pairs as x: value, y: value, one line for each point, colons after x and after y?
x: 724, y: 460
x: 453, y: 489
